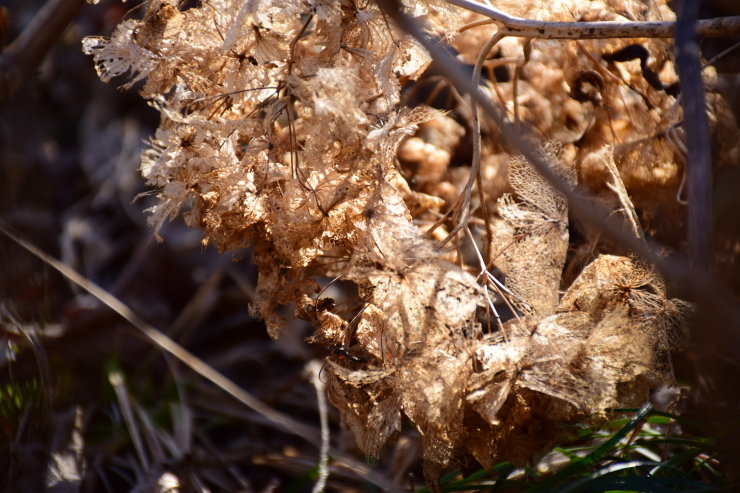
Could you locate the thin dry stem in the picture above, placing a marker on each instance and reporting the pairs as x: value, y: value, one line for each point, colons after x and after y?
x: 462, y: 204
x: 627, y: 206
x: 313, y: 368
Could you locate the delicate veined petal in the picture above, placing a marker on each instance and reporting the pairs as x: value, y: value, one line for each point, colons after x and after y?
x: 119, y: 54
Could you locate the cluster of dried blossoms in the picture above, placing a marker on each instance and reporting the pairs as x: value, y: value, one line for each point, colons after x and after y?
x: 281, y: 122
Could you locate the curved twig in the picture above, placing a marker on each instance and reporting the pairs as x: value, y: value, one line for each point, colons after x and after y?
x: 462, y: 204
x: 515, y: 83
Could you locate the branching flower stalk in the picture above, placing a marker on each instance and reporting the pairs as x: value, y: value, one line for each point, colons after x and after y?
x: 281, y: 123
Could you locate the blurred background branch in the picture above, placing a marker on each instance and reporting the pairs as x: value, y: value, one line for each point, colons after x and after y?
x: 696, y: 124
x: 28, y: 50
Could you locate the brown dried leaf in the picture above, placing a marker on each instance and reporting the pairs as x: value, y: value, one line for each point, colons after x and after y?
x: 531, y: 249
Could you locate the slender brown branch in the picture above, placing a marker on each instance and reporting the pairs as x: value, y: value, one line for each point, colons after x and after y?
x: 723, y: 26
x: 294, y: 42
x: 696, y: 126
x: 486, y: 218
x: 515, y: 83
x: 719, y: 56
x: 462, y: 204
x: 605, y: 74
x: 471, y: 25
x: 477, y: 144
x: 28, y: 50
x: 624, y: 199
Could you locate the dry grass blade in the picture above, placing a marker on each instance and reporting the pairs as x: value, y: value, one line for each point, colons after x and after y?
x: 313, y: 368
x: 127, y: 409
x: 278, y: 419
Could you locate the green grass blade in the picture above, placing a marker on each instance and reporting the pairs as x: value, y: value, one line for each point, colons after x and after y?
x: 682, y: 420
x: 612, y: 468
x: 597, y: 454
x: 647, y: 484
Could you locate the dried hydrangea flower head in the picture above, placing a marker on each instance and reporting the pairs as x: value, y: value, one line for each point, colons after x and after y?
x: 280, y: 127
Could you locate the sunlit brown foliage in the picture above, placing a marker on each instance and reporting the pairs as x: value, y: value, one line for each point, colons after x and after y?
x: 280, y: 129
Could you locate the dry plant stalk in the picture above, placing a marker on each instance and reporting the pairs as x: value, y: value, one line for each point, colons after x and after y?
x: 280, y: 125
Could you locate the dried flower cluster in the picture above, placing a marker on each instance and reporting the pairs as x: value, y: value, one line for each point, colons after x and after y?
x: 281, y: 127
